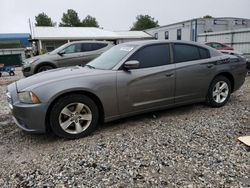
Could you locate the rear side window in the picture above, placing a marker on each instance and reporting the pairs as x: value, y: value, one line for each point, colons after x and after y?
x: 87, y: 47
x: 184, y: 52
x: 98, y: 46
x: 152, y: 56
x: 204, y: 53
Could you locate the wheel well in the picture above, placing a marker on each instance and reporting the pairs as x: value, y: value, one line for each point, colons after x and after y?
x: 89, y: 94
x: 229, y: 77
x: 44, y: 64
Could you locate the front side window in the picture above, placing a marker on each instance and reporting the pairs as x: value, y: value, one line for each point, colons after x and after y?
x: 73, y: 48
x: 185, y: 52
x: 152, y: 56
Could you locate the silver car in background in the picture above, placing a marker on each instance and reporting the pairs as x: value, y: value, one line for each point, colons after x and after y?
x: 69, y: 54
x: 128, y: 79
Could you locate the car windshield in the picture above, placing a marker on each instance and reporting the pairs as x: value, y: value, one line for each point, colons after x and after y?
x: 111, y: 58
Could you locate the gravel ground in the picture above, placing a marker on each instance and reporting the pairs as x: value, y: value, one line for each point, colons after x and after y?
x: 191, y: 146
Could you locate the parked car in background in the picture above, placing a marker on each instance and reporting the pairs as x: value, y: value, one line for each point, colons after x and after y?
x: 128, y: 79
x: 238, y: 54
x: 219, y: 46
x: 69, y: 54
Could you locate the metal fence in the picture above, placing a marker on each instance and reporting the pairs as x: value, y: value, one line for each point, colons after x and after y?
x: 11, y: 51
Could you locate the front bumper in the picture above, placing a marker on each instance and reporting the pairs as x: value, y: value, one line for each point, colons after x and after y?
x: 29, y: 117
x: 27, y: 71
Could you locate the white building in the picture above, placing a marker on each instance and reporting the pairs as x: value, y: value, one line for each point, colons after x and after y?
x: 190, y: 29
x: 49, y: 38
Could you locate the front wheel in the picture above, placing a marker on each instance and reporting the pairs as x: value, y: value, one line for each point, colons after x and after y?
x: 74, y: 116
x: 12, y: 73
x: 44, y: 68
x: 219, y: 92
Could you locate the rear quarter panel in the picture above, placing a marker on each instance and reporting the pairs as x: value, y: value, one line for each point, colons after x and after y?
x: 235, y: 66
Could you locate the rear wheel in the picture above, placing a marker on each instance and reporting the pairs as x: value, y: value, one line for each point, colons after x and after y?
x: 219, y: 92
x: 44, y: 68
x: 74, y: 116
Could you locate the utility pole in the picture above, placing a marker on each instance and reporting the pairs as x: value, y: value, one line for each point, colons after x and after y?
x: 30, y: 28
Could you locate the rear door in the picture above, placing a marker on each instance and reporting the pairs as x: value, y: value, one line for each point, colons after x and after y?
x: 194, y: 72
x: 149, y: 86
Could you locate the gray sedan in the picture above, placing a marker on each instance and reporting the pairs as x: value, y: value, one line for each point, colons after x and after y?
x: 128, y: 79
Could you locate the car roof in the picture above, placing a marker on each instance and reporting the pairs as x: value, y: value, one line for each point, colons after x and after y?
x: 213, y: 51
x: 147, y: 42
x: 90, y: 41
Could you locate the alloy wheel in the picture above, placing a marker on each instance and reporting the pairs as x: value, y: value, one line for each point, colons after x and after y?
x: 75, y: 118
x: 220, y: 92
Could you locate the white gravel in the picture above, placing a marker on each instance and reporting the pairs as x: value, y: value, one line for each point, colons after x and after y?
x: 191, y: 146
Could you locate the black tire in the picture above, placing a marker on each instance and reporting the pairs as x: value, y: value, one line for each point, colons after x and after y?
x: 12, y: 73
x: 62, y: 103
x: 0, y: 74
x: 211, y: 101
x: 44, y: 68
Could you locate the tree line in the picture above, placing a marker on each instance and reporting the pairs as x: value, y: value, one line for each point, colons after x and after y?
x: 71, y: 19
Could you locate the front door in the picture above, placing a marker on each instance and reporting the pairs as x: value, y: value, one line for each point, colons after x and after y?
x: 149, y: 86
x: 71, y: 56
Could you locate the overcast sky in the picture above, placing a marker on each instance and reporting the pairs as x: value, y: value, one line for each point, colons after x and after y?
x: 116, y: 14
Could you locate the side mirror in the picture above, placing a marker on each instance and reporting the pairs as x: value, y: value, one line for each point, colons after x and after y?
x: 61, y: 53
x: 131, y: 64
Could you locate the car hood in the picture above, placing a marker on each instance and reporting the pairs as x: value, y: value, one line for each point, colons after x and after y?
x: 55, y: 75
x: 37, y: 57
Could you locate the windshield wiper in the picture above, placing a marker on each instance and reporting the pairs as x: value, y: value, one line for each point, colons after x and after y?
x: 89, y: 66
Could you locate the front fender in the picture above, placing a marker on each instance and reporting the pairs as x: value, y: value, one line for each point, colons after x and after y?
x: 103, y: 89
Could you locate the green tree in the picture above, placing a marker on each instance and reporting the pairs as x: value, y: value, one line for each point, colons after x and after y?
x: 144, y: 22
x: 43, y: 20
x: 207, y: 16
x: 89, y: 21
x: 70, y: 19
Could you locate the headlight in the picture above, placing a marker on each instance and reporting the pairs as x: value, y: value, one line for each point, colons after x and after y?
x: 27, y: 62
x: 34, y: 60
x: 9, y: 99
x: 28, y: 97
